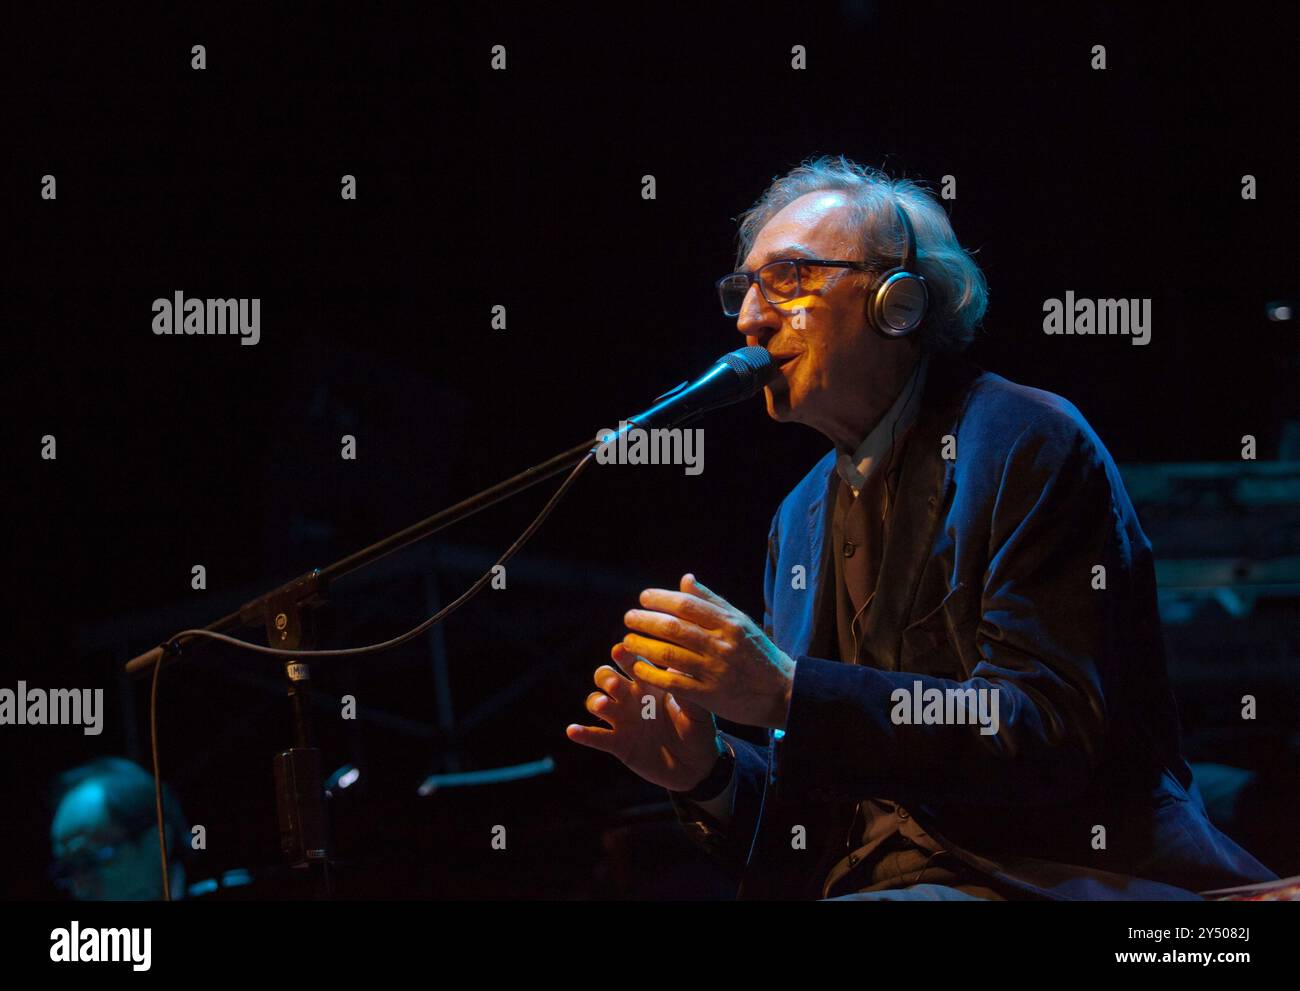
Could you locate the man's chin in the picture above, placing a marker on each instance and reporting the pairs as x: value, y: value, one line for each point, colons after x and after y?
x: 778, y: 403
x: 778, y: 407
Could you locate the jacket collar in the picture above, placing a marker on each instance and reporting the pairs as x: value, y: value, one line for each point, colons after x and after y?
x: 917, y: 504
x: 859, y: 466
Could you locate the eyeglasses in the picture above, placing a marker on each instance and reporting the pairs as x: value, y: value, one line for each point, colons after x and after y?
x: 779, y: 281
x: 84, y: 861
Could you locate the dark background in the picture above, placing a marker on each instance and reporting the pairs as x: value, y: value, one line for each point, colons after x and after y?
x: 523, y: 188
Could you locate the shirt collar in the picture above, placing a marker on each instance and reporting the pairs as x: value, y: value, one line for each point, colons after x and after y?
x: 857, y: 467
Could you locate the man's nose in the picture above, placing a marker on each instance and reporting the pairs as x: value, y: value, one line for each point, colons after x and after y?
x: 758, y: 319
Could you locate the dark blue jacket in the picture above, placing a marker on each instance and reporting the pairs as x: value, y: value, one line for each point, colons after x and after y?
x: 988, y: 579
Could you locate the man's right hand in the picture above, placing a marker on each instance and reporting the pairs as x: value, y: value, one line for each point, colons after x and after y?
x: 675, y: 750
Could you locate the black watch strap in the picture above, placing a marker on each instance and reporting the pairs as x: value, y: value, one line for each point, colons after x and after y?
x: 716, y: 781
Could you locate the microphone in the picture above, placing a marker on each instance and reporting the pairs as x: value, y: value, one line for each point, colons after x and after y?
x: 733, y: 378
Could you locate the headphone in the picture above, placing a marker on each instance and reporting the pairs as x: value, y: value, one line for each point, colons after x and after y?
x: 898, y: 304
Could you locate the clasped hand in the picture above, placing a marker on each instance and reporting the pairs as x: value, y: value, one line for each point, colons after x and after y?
x: 698, y: 646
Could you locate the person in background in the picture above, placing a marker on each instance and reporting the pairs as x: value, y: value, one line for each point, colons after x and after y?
x: 104, y: 833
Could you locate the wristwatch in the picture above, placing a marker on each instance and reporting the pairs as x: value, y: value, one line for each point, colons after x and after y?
x: 716, y: 781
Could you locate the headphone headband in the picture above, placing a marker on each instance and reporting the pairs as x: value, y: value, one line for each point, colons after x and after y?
x: 909, y: 238
x: 900, y: 301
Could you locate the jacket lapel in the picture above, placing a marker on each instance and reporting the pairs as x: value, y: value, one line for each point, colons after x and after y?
x: 923, y: 482
x: 823, y: 638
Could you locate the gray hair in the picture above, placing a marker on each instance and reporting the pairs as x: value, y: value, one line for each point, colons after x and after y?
x: 958, y: 292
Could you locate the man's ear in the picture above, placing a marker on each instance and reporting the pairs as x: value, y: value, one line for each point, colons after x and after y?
x: 147, y: 841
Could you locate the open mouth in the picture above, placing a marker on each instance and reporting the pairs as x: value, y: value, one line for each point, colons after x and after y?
x: 785, y: 361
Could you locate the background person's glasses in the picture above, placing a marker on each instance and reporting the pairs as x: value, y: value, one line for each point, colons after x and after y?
x: 779, y: 281
x: 80, y: 863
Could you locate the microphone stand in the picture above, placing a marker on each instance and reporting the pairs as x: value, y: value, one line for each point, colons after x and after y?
x: 287, y: 614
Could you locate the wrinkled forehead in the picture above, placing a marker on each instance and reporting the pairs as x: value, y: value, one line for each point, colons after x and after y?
x: 816, y: 225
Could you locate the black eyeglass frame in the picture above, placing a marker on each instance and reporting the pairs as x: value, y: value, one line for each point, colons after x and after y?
x: 756, y: 276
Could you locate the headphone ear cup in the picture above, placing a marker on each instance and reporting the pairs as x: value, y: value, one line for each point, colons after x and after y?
x: 899, y: 305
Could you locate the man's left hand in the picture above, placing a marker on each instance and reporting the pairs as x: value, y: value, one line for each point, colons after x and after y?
x: 704, y: 649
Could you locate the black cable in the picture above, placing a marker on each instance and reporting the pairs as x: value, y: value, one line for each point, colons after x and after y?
x: 157, y: 778
x: 411, y: 634
x: 173, y: 646
x: 889, y: 469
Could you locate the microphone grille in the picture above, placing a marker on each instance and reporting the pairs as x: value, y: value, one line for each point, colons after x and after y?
x: 754, y: 366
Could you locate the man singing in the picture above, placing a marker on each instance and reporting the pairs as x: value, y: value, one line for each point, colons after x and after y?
x: 960, y: 666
